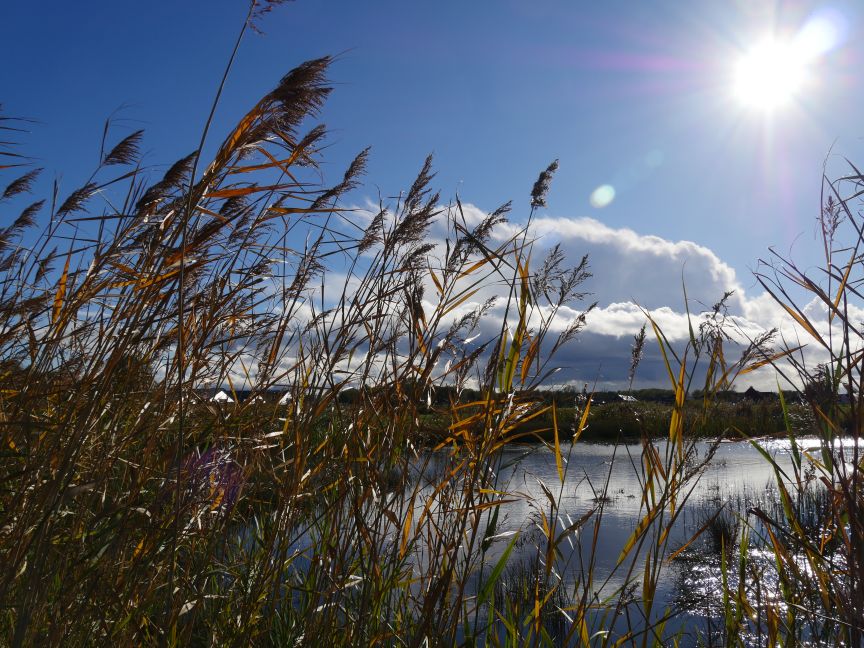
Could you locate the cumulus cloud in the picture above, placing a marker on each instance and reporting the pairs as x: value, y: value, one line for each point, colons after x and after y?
x: 634, y: 274
x: 650, y: 270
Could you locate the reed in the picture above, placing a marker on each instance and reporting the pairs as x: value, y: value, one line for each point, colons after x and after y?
x: 134, y: 510
x: 810, y: 592
x: 815, y: 528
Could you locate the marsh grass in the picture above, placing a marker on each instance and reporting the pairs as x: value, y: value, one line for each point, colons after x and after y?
x: 814, y: 527
x: 794, y: 574
x: 515, y: 593
x: 134, y: 512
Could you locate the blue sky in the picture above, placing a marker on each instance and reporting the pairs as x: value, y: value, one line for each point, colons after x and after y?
x: 635, y: 95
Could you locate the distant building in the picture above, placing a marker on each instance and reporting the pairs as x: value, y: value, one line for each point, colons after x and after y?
x: 754, y: 395
x: 278, y: 394
x: 221, y: 397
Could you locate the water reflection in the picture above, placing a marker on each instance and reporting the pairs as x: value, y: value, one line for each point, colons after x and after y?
x: 603, y: 485
x: 608, y: 480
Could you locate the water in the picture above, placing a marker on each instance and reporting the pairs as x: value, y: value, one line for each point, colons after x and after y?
x: 604, y: 483
x: 607, y: 480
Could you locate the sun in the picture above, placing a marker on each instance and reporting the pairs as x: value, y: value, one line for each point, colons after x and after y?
x: 771, y: 75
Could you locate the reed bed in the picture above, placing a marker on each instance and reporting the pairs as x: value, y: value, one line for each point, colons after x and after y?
x: 793, y: 573
x: 814, y: 528
x: 134, y: 510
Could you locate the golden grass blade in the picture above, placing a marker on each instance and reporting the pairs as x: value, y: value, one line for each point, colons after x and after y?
x: 649, y: 584
x: 483, y: 506
x: 530, y: 356
x: 640, y: 529
x: 474, y: 267
x: 226, y: 151
x: 242, y: 191
x: 453, y: 305
x: 436, y: 281
x: 583, y: 421
x: 513, y: 422
x: 842, y: 287
x: 61, y: 292
x: 140, y: 285
x: 558, y: 462
x: 804, y: 323
x: 676, y: 424
x: 769, y: 360
x: 659, y: 335
x: 406, y: 529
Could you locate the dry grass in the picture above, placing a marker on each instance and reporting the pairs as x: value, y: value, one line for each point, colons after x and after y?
x: 133, y: 512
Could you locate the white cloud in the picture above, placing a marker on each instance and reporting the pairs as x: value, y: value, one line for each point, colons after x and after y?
x: 632, y: 273
x: 628, y: 266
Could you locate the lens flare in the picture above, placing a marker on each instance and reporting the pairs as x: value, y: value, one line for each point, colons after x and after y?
x: 602, y: 196
x: 823, y: 32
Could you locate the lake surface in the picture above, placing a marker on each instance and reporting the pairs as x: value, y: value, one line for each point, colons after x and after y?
x: 607, y: 479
